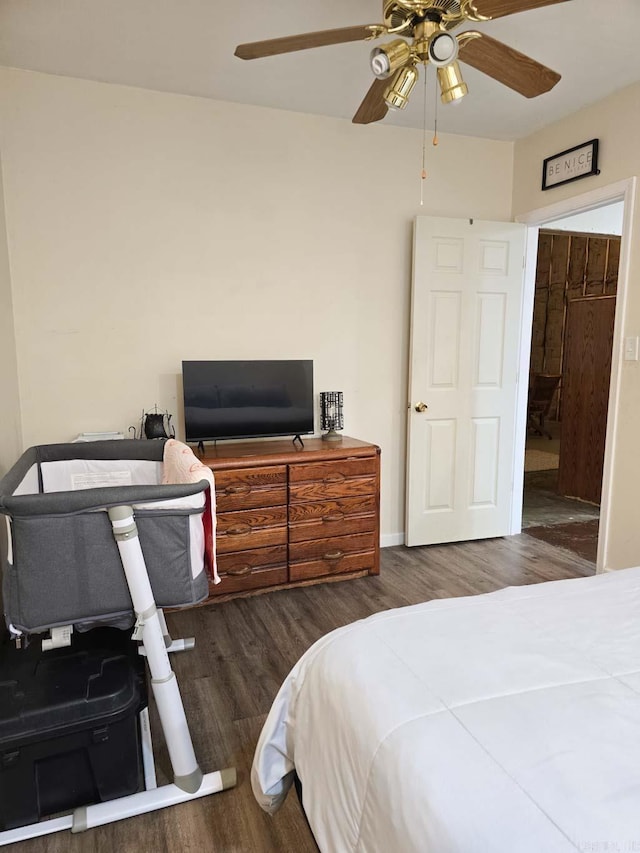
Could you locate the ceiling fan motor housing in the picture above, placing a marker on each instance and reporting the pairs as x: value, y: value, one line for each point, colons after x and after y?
x: 421, y: 7
x: 401, y: 13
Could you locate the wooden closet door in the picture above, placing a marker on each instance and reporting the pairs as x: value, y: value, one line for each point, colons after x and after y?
x: 585, y: 396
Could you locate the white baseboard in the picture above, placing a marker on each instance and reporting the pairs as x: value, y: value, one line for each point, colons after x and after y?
x: 388, y: 540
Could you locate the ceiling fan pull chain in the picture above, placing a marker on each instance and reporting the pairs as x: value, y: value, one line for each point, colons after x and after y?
x: 423, y: 174
x: 435, y: 116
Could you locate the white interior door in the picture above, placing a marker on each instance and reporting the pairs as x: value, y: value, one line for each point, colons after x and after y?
x: 465, y: 333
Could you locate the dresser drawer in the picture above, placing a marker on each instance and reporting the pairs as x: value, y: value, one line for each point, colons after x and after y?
x: 364, y: 561
x: 333, y: 472
x: 247, y: 488
x: 332, y: 525
x: 251, y: 569
x: 333, y: 510
x: 332, y: 548
x: 251, y: 528
x: 318, y: 491
x: 254, y: 579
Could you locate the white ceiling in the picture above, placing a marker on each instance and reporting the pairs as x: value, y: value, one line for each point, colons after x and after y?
x: 186, y: 46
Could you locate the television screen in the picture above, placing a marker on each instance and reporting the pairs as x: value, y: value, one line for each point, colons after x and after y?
x: 247, y: 399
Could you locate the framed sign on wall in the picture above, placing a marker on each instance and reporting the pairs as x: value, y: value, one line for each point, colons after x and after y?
x: 570, y: 165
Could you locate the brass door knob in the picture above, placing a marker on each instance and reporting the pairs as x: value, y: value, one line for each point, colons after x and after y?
x: 421, y: 407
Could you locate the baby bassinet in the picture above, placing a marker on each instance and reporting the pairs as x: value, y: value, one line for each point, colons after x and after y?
x: 63, y: 562
x: 95, y: 537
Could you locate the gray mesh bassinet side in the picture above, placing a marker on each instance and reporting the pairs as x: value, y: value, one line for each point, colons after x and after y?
x: 64, y: 566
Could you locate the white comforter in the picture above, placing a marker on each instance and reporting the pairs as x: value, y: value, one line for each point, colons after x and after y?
x: 507, y: 722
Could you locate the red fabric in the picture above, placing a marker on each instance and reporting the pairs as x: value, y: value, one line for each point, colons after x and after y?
x: 209, y: 540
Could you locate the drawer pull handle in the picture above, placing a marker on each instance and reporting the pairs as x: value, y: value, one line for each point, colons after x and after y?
x: 333, y: 516
x: 237, y: 573
x: 239, y: 530
x: 334, y: 478
x: 242, y: 489
x: 333, y: 555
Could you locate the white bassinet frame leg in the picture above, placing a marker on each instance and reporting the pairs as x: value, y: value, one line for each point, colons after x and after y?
x: 165, y: 630
x: 183, y: 645
x: 187, y: 773
x: 189, y: 782
x: 148, y: 764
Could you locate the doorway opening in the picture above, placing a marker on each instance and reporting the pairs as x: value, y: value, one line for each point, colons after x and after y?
x: 569, y: 377
x: 576, y: 296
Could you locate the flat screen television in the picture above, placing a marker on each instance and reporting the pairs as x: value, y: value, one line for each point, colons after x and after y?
x: 247, y: 399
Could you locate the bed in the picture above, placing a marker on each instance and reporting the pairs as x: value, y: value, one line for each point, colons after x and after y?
x: 506, y: 722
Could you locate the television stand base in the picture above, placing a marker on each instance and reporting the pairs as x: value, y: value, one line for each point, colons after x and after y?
x: 297, y: 438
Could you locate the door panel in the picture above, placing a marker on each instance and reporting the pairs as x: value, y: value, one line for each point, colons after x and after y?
x: 445, y: 339
x: 585, y: 396
x: 491, y: 310
x: 465, y: 333
x: 440, y: 440
x: 485, y: 445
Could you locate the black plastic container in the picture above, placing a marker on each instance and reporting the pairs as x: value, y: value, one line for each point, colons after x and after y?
x: 69, y: 731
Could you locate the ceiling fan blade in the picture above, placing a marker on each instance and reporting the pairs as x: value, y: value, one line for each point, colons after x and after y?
x: 373, y: 107
x: 500, y: 8
x: 508, y: 66
x: 289, y: 44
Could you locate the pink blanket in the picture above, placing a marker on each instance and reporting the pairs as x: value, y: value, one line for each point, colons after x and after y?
x: 181, y: 465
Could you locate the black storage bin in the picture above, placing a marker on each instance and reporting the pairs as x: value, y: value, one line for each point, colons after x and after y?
x: 69, y: 731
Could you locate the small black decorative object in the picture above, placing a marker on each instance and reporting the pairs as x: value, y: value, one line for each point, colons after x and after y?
x: 331, y: 414
x: 154, y: 425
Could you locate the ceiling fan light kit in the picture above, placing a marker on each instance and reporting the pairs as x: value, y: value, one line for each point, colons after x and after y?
x: 424, y: 27
x: 452, y: 86
x: 389, y: 58
x: 442, y: 49
x: 397, y: 95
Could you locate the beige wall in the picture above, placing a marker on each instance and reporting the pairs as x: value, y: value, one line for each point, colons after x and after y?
x: 616, y: 122
x: 10, y: 431
x: 147, y: 228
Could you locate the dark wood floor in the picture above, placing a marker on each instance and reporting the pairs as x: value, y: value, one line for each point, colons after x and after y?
x: 244, y: 650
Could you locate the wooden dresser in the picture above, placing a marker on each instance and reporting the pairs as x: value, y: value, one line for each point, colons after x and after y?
x: 290, y: 515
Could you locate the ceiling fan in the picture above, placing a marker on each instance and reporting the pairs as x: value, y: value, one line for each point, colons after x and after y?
x: 424, y: 28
